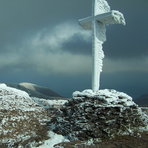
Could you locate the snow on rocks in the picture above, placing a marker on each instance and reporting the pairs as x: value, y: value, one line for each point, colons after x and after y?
x: 99, y: 115
x: 47, y: 104
x: 110, y: 97
x: 11, y: 99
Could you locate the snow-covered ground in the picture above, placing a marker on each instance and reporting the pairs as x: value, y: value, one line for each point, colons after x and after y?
x: 24, y: 118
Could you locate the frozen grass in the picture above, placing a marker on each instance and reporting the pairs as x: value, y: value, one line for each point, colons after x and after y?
x: 19, y: 128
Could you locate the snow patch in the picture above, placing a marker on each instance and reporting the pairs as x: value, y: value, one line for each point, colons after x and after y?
x: 28, y: 85
x: 48, y: 103
x: 54, y: 139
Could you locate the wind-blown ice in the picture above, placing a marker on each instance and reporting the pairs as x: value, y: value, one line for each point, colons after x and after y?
x: 118, y: 17
x: 101, y: 7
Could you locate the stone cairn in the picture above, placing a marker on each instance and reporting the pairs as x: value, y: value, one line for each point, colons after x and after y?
x: 100, y: 115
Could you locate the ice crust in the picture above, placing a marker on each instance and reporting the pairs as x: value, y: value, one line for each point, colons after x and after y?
x: 118, y: 17
x: 101, y: 7
x: 111, y: 97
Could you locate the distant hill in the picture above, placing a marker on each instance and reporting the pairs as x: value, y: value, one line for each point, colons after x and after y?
x: 142, y: 101
x: 35, y: 90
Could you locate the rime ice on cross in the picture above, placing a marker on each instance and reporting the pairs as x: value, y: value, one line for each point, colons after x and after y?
x: 102, y: 15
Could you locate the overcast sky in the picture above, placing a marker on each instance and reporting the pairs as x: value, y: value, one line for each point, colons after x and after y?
x: 41, y: 42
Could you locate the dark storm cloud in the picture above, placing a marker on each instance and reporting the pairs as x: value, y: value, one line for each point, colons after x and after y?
x: 129, y: 41
x: 43, y: 52
x: 19, y: 19
x: 35, y: 46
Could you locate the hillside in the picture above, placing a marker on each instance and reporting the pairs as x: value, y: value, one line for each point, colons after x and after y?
x: 42, y: 123
x: 35, y: 90
x: 23, y: 119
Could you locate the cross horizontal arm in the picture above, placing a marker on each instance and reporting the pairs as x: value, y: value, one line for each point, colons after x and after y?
x: 86, y: 23
x: 112, y: 17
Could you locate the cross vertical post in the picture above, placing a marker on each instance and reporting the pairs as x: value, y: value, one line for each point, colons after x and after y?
x: 102, y: 15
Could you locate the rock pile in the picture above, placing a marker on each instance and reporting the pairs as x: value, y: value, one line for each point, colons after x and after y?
x: 100, y: 115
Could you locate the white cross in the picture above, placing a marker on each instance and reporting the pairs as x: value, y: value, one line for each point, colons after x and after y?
x: 102, y: 15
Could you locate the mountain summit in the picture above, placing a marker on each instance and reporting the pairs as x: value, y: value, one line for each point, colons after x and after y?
x: 35, y: 90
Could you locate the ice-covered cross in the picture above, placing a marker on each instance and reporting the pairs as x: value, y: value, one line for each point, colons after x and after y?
x: 102, y: 15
